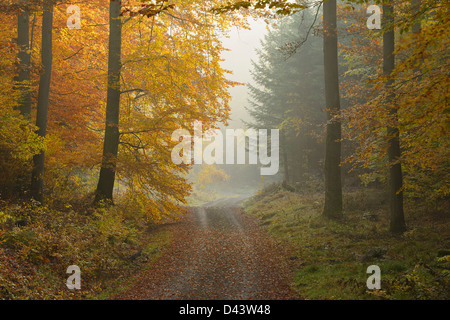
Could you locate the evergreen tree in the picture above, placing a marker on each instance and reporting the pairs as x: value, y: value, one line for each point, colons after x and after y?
x: 287, y: 93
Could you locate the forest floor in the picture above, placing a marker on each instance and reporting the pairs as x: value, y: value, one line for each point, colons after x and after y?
x: 332, y: 257
x: 217, y: 252
x: 275, y: 245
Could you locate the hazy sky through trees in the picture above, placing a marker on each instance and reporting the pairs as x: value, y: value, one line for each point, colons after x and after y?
x: 243, y: 45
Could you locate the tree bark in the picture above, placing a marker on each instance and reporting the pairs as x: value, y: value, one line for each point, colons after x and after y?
x: 397, y: 220
x: 285, y: 159
x: 333, y: 183
x: 37, y: 179
x: 106, y: 181
x: 24, y: 57
x: 417, y: 28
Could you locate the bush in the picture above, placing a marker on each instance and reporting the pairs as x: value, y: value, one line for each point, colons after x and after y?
x: 38, y: 243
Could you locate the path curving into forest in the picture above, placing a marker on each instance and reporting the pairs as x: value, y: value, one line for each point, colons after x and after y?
x: 218, y: 253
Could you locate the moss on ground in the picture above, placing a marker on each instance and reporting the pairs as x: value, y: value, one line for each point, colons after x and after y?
x: 331, y: 257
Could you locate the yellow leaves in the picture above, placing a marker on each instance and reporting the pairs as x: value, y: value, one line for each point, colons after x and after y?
x: 146, y: 8
x: 4, y: 217
x: 180, y: 80
x: 210, y: 174
x: 281, y: 7
x: 17, y: 137
x: 171, y: 76
x: 421, y: 96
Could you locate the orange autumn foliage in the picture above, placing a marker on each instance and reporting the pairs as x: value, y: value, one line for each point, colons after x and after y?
x: 422, y: 96
x: 171, y: 76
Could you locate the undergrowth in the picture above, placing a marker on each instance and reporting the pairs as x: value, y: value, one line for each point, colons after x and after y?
x: 331, y: 258
x: 38, y: 244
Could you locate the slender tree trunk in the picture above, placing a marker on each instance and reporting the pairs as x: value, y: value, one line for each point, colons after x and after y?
x: 285, y: 159
x: 22, y: 79
x: 417, y: 28
x: 111, y: 143
x: 33, y: 25
x: 24, y: 57
x: 333, y: 184
x: 397, y: 223
x: 37, y: 179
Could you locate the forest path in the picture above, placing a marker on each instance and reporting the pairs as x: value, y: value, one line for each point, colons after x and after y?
x: 218, y: 252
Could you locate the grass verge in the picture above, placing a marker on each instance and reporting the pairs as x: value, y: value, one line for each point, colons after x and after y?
x: 331, y: 257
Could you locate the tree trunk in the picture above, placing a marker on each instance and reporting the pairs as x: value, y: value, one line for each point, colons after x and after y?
x: 417, y: 28
x: 285, y: 159
x: 37, y: 179
x: 24, y: 57
x: 105, y: 185
x: 333, y: 184
x: 397, y: 223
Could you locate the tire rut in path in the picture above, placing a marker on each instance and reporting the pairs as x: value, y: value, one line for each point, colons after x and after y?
x: 217, y: 253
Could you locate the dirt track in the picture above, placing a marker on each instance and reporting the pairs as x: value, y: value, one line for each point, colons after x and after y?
x: 218, y: 253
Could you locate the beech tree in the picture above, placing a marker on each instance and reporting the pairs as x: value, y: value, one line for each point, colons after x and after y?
x: 333, y: 184
x: 408, y: 95
x: 107, y: 176
x: 170, y: 76
x: 397, y: 220
x: 37, y: 179
x: 24, y: 57
x: 111, y: 142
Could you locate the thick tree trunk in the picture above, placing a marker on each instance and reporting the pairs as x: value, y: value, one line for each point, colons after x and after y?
x: 24, y: 57
x: 333, y: 184
x: 37, y: 179
x: 397, y: 223
x: 107, y: 177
